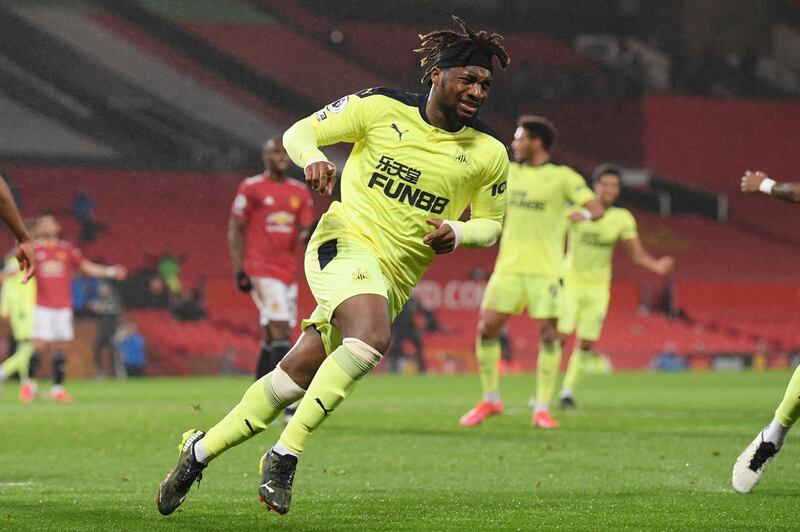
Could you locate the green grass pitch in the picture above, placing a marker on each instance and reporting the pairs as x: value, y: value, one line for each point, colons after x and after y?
x: 646, y: 451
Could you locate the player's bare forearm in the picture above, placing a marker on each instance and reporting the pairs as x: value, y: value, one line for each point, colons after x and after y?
x: 235, y: 247
x: 592, y: 210
x: 304, y: 232
x: 643, y: 259
x: 10, y: 214
x: 787, y: 192
x: 754, y: 182
x: 101, y: 271
x: 595, y: 208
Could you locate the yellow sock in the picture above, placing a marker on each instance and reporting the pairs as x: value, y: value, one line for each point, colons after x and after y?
x: 260, y: 405
x: 19, y: 362
x: 547, y: 373
x: 575, y: 369
x: 788, y: 411
x: 335, y: 379
x: 488, y: 354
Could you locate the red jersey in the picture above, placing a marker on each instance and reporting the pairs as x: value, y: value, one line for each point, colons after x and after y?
x: 55, y: 264
x: 273, y: 213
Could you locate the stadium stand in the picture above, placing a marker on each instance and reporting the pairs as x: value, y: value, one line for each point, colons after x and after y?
x: 27, y: 133
x: 322, y: 82
x: 139, y: 68
x: 188, y: 67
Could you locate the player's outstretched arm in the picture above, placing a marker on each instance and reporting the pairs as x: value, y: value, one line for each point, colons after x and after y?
x: 753, y: 182
x: 642, y: 258
x: 592, y: 210
x: 101, y: 271
x: 10, y: 215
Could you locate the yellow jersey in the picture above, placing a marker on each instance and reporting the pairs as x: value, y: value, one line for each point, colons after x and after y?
x: 16, y: 297
x: 401, y: 171
x: 535, y: 225
x: 591, y: 246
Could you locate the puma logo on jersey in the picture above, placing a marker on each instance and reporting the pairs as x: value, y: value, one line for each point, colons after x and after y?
x: 399, y: 133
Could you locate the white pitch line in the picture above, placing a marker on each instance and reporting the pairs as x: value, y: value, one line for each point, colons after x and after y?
x: 15, y: 484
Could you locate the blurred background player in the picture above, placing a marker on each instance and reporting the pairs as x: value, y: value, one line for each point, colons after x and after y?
x: 17, y: 303
x: 528, y: 267
x: 270, y: 213
x: 10, y: 215
x: 403, y: 190
x: 405, y: 330
x: 587, y: 273
x: 52, y: 319
x: 107, y: 306
x: 751, y: 464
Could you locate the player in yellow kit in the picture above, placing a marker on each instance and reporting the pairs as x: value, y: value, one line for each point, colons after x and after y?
x: 17, y: 303
x: 528, y: 268
x: 417, y: 162
x: 587, y: 273
x: 753, y: 461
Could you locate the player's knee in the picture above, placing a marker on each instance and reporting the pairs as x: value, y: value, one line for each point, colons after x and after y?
x: 305, y: 358
x: 376, y: 340
x: 368, y: 355
x: 488, y: 330
x: 285, y: 387
x: 548, y: 334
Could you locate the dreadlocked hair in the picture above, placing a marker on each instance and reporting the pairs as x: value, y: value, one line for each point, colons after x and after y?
x: 436, y: 41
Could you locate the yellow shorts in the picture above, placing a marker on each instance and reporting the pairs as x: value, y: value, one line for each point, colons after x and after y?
x: 511, y: 293
x: 337, y: 270
x: 583, y: 307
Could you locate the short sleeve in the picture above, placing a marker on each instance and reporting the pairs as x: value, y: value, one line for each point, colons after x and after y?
x: 242, y: 204
x: 628, y: 228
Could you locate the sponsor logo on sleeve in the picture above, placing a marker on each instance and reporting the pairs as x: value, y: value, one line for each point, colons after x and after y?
x: 338, y: 106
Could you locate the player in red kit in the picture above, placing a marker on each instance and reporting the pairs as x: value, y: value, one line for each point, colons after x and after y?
x: 56, y: 261
x: 270, y: 213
